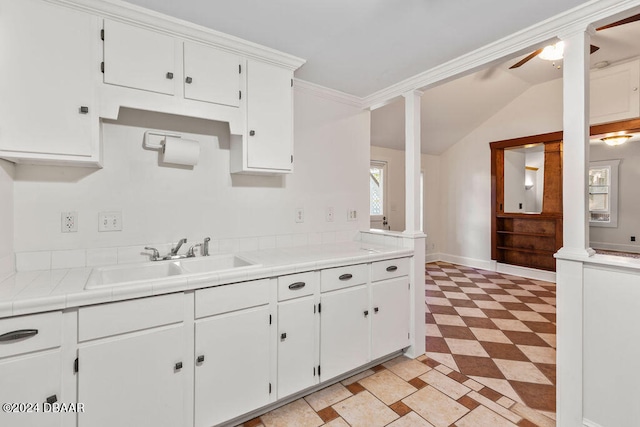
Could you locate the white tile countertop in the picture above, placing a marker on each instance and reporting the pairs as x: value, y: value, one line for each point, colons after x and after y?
x: 45, y: 290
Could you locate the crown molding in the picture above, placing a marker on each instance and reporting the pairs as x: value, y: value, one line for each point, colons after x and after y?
x: 569, y: 22
x: 119, y: 10
x: 327, y: 93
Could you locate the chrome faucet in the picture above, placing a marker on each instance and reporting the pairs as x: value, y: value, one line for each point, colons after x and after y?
x: 175, y: 250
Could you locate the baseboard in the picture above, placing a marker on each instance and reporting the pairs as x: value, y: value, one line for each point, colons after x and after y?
x: 615, y: 247
x: 529, y: 273
x: 469, y: 262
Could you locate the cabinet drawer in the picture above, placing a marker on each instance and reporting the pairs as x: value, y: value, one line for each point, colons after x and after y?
x: 127, y: 316
x: 343, y: 277
x: 389, y: 269
x: 296, y: 285
x: 223, y: 299
x: 30, y: 333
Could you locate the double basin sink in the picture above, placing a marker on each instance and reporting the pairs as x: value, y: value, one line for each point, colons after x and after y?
x: 125, y: 274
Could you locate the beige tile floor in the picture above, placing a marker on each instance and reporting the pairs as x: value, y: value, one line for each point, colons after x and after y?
x: 404, y: 392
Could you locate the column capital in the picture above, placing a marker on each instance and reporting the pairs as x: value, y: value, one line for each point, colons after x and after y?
x: 414, y: 92
x: 575, y: 30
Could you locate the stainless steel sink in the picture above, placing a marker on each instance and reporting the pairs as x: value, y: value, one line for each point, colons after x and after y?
x: 126, y: 274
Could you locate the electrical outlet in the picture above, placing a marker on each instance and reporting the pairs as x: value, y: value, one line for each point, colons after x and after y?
x: 352, y: 215
x: 69, y: 222
x: 330, y: 214
x: 110, y: 221
x: 299, y: 215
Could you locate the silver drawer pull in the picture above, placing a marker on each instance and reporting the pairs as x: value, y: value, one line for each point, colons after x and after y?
x: 297, y: 285
x: 18, y: 335
x: 345, y: 276
x: 392, y: 268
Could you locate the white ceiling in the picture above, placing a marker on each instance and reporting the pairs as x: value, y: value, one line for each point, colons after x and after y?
x: 452, y: 110
x: 362, y: 46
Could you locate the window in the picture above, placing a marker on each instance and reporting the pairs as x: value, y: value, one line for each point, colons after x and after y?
x: 376, y: 188
x: 603, y: 193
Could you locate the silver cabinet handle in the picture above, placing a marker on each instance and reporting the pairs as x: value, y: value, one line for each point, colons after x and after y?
x: 18, y: 335
x: 297, y: 285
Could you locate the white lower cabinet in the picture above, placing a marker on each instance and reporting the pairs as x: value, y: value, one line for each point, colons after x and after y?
x: 31, y: 369
x: 133, y: 381
x: 232, y: 365
x: 344, y: 330
x: 30, y: 379
x: 232, y: 351
x: 390, y: 318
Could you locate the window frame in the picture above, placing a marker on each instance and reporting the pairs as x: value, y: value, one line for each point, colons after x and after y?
x: 382, y: 165
x: 613, y: 166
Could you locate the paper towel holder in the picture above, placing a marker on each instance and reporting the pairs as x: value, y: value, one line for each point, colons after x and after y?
x: 154, y: 140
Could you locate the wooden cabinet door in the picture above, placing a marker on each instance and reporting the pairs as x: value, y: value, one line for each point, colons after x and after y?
x: 344, y: 330
x: 269, y: 117
x: 31, y: 378
x: 390, y: 316
x: 297, y: 346
x: 233, y: 376
x: 133, y: 380
x: 139, y: 58
x: 46, y: 77
x: 211, y: 75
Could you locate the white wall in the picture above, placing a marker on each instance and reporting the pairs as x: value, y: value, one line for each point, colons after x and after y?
x: 618, y: 238
x: 164, y: 204
x: 7, y: 171
x: 465, y: 170
x: 430, y: 165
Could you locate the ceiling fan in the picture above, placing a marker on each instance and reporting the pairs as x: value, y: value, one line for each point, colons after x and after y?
x: 532, y: 55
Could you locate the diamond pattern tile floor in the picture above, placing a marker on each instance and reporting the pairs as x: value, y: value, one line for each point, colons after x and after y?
x: 490, y: 361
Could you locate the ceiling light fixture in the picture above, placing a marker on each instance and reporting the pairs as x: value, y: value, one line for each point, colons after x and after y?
x: 553, y: 52
x: 616, y: 139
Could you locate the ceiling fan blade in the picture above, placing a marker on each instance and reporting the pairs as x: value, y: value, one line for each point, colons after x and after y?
x: 594, y: 49
x: 628, y: 20
x: 526, y: 59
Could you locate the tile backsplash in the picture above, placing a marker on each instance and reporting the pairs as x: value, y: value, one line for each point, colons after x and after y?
x: 95, y: 257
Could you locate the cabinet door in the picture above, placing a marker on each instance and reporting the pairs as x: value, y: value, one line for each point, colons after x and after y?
x: 269, y: 117
x: 32, y: 378
x: 233, y: 378
x: 297, y: 346
x: 390, y: 317
x: 344, y: 331
x: 138, y: 58
x: 211, y: 75
x: 46, y: 76
x: 133, y: 380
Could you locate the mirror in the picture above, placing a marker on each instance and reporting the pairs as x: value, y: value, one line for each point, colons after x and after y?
x: 524, y: 178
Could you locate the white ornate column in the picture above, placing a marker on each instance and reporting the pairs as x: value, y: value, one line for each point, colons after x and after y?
x: 569, y: 270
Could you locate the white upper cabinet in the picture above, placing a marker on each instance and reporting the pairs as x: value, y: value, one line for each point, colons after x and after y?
x: 139, y: 58
x: 48, y: 61
x: 615, y: 92
x: 268, y: 143
x: 211, y: 75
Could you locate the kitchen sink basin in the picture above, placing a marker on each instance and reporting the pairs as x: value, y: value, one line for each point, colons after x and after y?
x: 120, y: 274
x: 125, y: 274
x: 214, y: 263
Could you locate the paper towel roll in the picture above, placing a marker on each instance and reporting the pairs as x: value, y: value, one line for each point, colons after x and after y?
x: 180, y: 151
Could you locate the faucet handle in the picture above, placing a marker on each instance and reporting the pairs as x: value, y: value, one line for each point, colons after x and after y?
x: 156, y: 255
x: 191, y: 252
